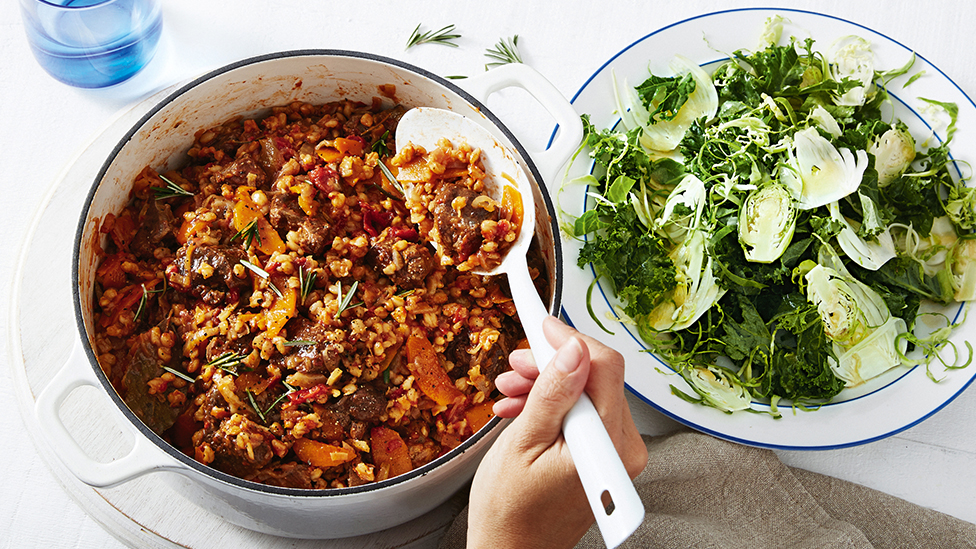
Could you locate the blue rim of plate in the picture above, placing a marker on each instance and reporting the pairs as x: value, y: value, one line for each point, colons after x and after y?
x: 714, y: 432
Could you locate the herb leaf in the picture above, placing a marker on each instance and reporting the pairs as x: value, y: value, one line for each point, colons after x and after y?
x: 345, y: 299
x: 179, y: 374
x: 444, y: 36
x: 505, y: 51
x: 171, y: 190
x: 263, y: 274
x: 247, y: 234
x: 306, y: 282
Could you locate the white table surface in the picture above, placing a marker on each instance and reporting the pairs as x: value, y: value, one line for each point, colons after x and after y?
x: 43, y: 124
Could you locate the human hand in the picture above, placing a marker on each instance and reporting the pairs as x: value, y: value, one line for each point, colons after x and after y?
x: 526, y: 492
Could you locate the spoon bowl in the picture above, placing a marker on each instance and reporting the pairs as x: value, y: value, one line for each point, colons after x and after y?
x: 609, y: 490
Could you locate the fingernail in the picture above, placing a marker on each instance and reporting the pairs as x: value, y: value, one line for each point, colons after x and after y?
x: 568, y: 356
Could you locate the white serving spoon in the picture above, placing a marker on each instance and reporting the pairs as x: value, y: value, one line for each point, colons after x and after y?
x: 609, y: 490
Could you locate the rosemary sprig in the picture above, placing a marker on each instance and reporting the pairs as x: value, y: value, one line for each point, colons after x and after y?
x: 254, y: 404
x: 179, y: 374
x: 379, y: 146
x: 506, y: 51
x: 142, y: 299
x: 282, y: 397
x: 248, y: 233
x: 305, y: 283
x: 389, y: 176
x: 443, y: 36
x: 171, y: 190
x: 263, y: 274
x: 345, y: 299
x: 228, y: 362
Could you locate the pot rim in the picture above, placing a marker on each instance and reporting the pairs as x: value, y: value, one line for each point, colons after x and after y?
x: 206, y: 470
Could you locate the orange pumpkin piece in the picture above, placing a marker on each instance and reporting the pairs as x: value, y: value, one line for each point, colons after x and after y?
x: 479, y: 415
x: 512, y: 206
x: 247, y: 212
x: 110, y: 274
x: 426, y: 368
x: 353, y: 147
x: 320, y: 454
x: 389, y: 450
x: 283, y: 308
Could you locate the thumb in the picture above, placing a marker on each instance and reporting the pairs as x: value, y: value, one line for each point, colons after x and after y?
x: 555, y: 391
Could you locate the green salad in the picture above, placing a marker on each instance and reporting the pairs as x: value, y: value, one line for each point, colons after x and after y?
x: 771, y: 229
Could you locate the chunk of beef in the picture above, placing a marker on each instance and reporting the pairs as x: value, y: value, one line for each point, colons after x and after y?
x: 286, y: 475
x: 416, y: 261
x: 313, y: 233
x: 390, y: 118
x: 156, y: 223
x: 321, y: 356
x: 285, y: 214
x: 366, y: 404
x: 246, y: 458
x: 141, y: 365
x: 459, y: 222
x: 270, y: 158
x: 242, y: 171
x: 207, y: 267
x: 492, y: 361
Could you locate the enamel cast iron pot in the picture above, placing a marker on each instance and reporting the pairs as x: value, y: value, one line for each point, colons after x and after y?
x: 160, y: 140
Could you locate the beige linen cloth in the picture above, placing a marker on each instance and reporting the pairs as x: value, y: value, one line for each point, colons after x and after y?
x: 702, y: 492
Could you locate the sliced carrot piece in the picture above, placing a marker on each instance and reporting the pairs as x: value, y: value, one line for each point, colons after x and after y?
x: 426, y: 368
x: 479, y: 415
x: 320, y: 454
x: 389, y: 450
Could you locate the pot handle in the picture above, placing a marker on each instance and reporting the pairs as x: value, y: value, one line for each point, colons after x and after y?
x: 570, y: 127
x: 142, y: 458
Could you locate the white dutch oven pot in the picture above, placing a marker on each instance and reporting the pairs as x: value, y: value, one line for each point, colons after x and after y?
x: 160, y: 140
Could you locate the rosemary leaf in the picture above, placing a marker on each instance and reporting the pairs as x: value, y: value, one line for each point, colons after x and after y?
x: 305, y: 283
x: 142, y: 303
x: 275, y: 289
x: 505, y: 52
x: 389, y: 177
x: 379, y: 146
x: 254, y: 404
x: 255, y: 269
x: 143, y: 298
x: 179, y: 374
x: 248, y: 233
x: 345, y: 299
x: 228, y: 362
x: 282, y: 397
x: 171, y: 190
x: 263, y: 274
x: 444, y: 36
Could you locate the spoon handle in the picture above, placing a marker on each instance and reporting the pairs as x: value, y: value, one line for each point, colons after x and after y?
x: 620, y: 511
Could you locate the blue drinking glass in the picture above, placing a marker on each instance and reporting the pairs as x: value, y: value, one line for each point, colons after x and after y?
x: 92, y: 43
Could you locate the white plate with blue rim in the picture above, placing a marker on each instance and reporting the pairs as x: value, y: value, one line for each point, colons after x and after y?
x: 885, y: 405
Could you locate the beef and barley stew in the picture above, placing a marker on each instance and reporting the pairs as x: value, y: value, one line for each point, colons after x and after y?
x: 273, y: 306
